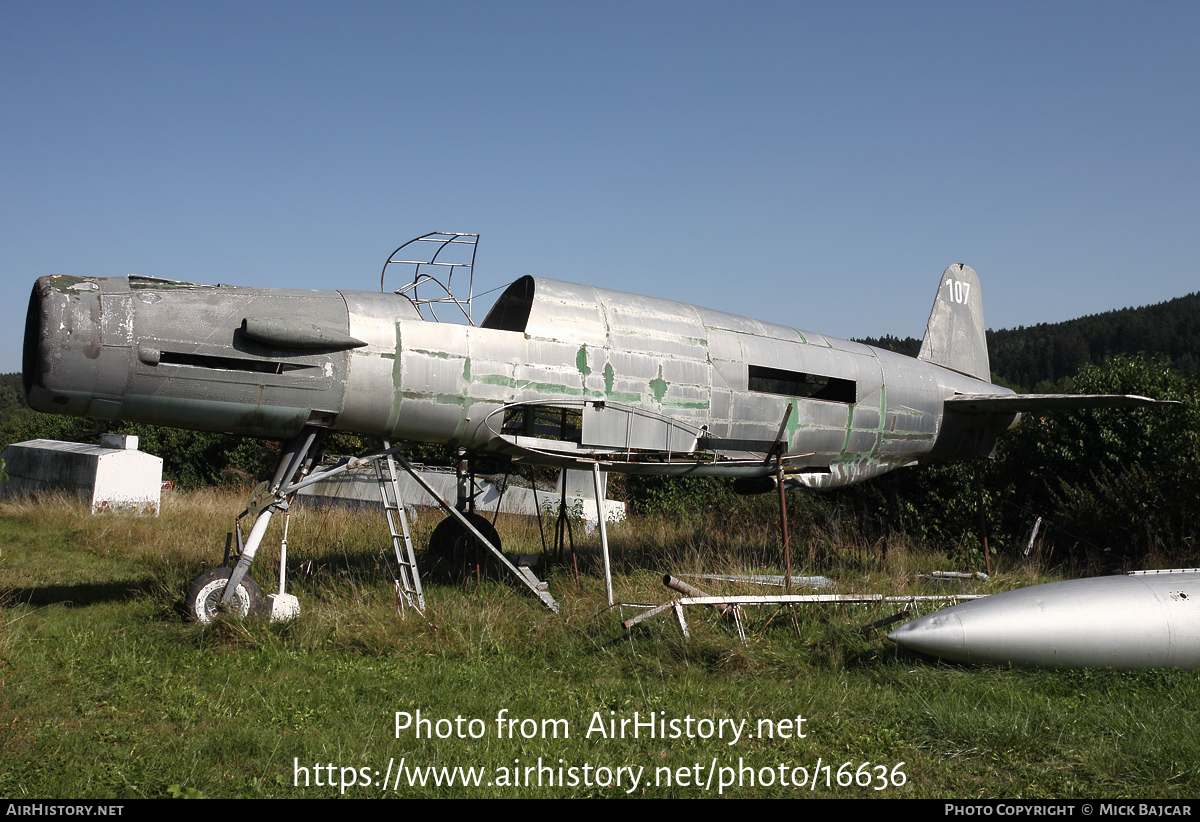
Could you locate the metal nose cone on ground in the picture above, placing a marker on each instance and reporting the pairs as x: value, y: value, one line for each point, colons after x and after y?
x: 1143, y: 620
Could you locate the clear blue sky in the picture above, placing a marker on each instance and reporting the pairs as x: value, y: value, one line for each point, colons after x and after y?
x: 816, y: 165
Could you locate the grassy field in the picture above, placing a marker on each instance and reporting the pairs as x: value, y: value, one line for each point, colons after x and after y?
x: 105, y: 691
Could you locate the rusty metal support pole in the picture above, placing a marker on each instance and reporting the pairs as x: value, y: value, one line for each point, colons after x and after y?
x: 538, y: 506
x: 979, y: 506
x: 689, y: 590
x: 562, y: 530
x: 787, y: 548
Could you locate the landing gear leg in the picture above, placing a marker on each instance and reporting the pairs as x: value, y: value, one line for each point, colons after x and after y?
x: 224, y: 589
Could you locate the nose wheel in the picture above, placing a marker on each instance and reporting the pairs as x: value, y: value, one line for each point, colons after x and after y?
x: 204, y: 597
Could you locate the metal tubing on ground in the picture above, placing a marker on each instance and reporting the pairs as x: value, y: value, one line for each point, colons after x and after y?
x: 791, y: 599
x: 689, y: 590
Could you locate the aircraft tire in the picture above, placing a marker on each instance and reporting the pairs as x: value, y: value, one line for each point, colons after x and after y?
x: 453, y: 546
x: 209, y: 587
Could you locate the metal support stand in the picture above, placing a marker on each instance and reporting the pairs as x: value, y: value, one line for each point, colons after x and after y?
x: 777, y: 450
x: 467, y: 490
x: 608, y: 592
x: 283, y: 555
x: 539, y: 588
x: 408, y: 583
x: 787, y: 546
x: 293, y: 474
x: 538, y: 506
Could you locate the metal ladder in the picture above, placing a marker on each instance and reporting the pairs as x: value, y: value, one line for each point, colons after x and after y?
x: 408, y: 586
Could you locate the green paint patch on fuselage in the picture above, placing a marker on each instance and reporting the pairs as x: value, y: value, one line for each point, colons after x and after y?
x: 793, y: 422
x: 496, y: 379
x: 552, y: 388
x: 807, y: 341
x: 658, y: 387
x: 397, y: 384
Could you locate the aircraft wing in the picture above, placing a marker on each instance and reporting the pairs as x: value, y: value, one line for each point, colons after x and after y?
x: 1020, y: 403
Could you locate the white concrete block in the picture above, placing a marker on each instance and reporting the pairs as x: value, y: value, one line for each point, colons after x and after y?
x: 111, y: 479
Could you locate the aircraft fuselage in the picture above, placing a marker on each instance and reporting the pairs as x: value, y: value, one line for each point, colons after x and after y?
x: 557, y: 373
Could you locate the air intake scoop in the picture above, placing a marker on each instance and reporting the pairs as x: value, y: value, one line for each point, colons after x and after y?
x: 280, y: 333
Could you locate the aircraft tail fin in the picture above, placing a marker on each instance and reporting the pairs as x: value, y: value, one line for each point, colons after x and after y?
x: 954, y: 337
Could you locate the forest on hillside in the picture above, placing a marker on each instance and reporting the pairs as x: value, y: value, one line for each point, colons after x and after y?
x: 1043, y: 358
x: 1114, y: 489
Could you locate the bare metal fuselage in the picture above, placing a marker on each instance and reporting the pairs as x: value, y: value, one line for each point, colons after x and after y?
x: 557, y: 373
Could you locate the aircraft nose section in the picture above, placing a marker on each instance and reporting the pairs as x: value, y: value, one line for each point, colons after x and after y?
x: 939, y: 634
x: 78, y: 334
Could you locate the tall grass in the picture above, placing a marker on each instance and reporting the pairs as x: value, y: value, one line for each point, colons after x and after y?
x: 105, y: 691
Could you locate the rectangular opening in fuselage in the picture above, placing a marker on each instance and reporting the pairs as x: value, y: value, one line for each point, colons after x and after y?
x: 230, y: 363
x: 796, y: 384
x: 545, y: 422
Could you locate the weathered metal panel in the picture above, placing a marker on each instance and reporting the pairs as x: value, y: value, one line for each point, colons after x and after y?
x: 725, y: 345
x: 913, y: 409
x: 636, y: 368
x: 372, y: 397
x: 955, y: 336
x: 626, y: 427
x: 747, y: 326
x: 566, y: 308
x: 720, y: 409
